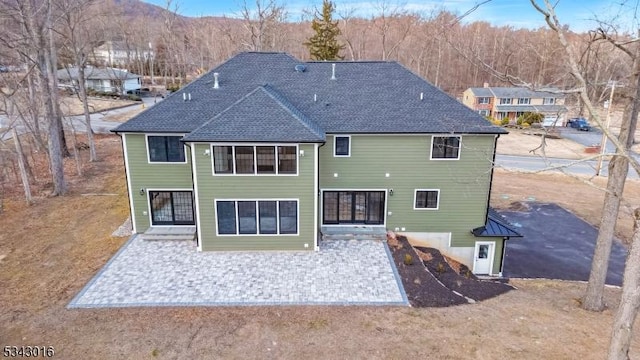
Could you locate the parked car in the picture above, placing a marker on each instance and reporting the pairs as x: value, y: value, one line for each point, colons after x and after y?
x: 579, y: 123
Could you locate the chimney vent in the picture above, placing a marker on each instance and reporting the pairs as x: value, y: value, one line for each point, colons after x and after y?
x: 333, y: 71
x: 486, y: 85
x: 216, y: 85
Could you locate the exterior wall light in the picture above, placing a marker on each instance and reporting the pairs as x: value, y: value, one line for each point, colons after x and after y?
x: 390, y: 192
x: 142, y: 191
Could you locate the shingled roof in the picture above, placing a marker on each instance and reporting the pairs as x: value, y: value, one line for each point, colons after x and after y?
x: 279, y: 96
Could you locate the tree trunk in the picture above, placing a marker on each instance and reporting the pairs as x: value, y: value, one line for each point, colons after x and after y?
x: 629, y: 301
x: 23, y: 168
x: 618, y: 169
x: 54, y: 140
x: 85, y: 105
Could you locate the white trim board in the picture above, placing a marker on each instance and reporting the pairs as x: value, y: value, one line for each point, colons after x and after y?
x: 130, y: 190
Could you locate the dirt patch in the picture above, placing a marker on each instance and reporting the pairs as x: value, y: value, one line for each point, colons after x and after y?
x: 526, y: 143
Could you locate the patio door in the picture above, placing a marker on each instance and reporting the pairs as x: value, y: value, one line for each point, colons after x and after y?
x: 353, y: 207
x: 171, y: 207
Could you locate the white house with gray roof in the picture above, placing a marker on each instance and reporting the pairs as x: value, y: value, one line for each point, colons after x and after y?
x: 109, y: 80
x: 266, y: 152
x: 511, y: 102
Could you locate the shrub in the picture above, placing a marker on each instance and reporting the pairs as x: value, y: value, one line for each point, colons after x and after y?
x: 526, y: 125
x: 134, y: 97
x: 532, y: 118
x: 440, y: 268
x: 504, y: 121
x: 408, y: 259
x: 173, y: 87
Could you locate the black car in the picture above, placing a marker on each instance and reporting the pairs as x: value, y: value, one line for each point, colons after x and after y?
x: 579, y: 123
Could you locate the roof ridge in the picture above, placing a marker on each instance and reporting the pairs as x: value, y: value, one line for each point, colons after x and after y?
x: 294, y: 111
x: 226, y: 109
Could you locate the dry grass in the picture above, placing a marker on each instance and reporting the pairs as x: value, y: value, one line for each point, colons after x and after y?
x: 50, y: 250
x: 523, y: 143
x: 71, y: 105
x: 124, y: 116
x: 583, y: 200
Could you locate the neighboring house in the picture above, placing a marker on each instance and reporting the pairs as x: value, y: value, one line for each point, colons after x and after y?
x: 511, y: 102
x: 113, y: 52
x: 266, y: 151
x: 100, y: 79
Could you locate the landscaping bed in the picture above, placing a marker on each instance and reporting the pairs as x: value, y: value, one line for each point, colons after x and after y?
x: 462, y: 281
x: 429, y: 280
x: 421, y: 287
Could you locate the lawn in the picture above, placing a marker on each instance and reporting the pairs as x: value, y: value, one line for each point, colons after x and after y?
x: 50, y: 250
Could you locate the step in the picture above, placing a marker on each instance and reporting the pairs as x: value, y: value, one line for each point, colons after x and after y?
x: 354, y: 236
x: 174, y: 237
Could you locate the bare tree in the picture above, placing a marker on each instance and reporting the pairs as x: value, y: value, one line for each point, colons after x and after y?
x: 79, y: 38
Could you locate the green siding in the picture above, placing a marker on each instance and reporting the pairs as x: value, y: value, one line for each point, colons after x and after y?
x: 463, y: 183
x: 256, y: 187
x: 151, y: 176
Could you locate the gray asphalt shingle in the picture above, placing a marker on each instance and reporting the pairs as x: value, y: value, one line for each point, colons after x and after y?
x: 365, y: 97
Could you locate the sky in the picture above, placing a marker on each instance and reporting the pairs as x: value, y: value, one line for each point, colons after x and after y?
x: 579, y: 15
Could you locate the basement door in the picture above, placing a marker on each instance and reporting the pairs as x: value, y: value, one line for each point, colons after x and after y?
x: 483, y: 257
x: 171, y: 207
x: 353, y: 207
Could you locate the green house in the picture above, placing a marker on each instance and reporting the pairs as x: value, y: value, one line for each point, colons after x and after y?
x: 266, y: 152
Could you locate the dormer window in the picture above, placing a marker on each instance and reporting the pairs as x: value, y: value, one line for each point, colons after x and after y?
x: 524, y: 101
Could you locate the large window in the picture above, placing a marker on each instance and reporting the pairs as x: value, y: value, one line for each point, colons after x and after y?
x: 426, y: 200
x: 524, y: 101
x: 261, y: 160
x: 165, y: 149
x: 483, y: 100
x: 262, y: 217
x: 505, y: 101
x: 445, y: 147
x: 549, y: 101
x: 341, y: 145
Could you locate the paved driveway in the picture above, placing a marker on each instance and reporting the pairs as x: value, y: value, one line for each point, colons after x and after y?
x: 172, y: 273
x: 556, y: 245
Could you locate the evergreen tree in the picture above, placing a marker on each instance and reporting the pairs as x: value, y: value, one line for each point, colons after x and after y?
x: 324, y: 44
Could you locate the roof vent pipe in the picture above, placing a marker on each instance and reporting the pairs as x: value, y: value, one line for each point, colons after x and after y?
x: 189, y: 96
x: 333, y: 71
x: 184, y: 96
x: 421, y: 96
x: 216, y: 85
x: 315, y: 97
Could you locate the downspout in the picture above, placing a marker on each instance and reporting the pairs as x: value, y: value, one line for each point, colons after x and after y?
x: 319, y: 211
x: 126, y: 176
x: 504, y: 250
x: 493, y: 164
x: 193, y: 190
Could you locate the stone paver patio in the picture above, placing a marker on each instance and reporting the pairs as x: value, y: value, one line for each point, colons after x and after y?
x: 172, y: 273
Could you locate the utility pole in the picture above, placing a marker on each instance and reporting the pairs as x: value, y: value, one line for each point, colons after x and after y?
x: 603, y: 142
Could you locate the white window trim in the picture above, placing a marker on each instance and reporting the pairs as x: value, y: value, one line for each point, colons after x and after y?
x: 386, y: 201
x: 491, y: 254
x: 146, y: 141
x: 415, y: 197
x: 255, y: 159
x: 484, y: 103
x: 334, y: 145
x: 148, y: 190
x: 505, y: 103
x: 483, y: 112
x: 544, y: 101
x: 445, y: 159
x: 215, y: 209
x: 128, y: 174
x: 196, y: 197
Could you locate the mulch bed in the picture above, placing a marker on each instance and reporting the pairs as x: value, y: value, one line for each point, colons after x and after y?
x: 421, y: 287
x: 464, y: 282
